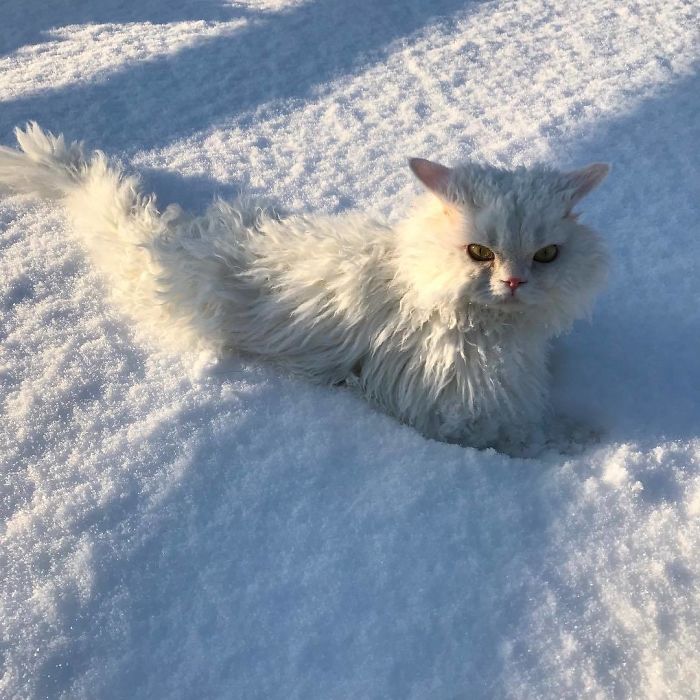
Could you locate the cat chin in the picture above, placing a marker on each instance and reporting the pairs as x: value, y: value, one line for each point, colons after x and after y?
x: 509, y: 302
x: 509, y: 299
x: 497, y: 308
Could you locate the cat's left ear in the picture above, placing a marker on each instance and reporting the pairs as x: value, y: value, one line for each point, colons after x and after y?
x: 433, y: 175
x: 579, y: 183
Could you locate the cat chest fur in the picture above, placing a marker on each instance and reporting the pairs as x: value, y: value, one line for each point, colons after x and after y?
x: 461, y: 382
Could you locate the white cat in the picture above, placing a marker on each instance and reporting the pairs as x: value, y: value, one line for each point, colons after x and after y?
x: 443, y: 320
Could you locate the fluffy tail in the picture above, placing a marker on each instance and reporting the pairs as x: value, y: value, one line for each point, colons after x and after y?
x: 104, y: 204
x: 46, y: 165
x: 119, y: 226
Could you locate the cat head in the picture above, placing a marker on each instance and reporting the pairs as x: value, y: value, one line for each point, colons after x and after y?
x: 507, y: 240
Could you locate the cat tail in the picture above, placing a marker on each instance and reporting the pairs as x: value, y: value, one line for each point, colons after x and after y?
x: 45, y: 165
x: 102, y: 201
x: 121, y: 228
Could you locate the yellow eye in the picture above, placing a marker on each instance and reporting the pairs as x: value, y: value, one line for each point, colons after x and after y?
x: 480, y: 253
x: 546, y: 254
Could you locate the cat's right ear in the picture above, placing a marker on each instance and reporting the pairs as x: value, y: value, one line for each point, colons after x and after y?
x: 434, y: 176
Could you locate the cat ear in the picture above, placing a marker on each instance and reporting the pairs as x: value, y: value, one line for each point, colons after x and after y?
x: 433, y: 175
x: 579, y: 183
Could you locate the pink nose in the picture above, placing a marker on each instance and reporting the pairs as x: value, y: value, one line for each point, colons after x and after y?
x: 514, y: 282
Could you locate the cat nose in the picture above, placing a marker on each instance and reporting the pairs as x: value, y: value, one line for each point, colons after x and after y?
x: 514, y: 282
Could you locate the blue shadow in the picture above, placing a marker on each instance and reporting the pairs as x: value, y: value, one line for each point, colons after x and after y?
x: 648, y: 323
x: 17, y: 31
x: 288, y: 55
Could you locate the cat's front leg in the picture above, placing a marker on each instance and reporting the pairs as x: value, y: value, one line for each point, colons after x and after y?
x: 516, y: 433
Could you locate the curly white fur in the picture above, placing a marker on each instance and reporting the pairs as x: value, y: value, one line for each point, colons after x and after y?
x: 428, y: 334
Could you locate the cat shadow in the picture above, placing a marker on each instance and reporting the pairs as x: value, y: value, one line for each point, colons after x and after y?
x: 296, y: 52
x: 635, y: 366
x: 194, y: 193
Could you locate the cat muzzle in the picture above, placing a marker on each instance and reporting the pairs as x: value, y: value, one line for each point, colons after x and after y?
x: 514, y: 283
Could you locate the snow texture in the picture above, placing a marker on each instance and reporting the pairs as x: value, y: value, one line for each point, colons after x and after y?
x: 180, y: 527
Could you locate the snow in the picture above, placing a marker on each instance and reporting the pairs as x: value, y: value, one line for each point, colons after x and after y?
x: 177, y: 526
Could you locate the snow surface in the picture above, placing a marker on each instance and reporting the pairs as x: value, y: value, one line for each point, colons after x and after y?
x: 175, y: 527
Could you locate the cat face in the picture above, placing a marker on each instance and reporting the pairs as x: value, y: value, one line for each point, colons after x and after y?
x: 521, y: 249
x: 514, y: 259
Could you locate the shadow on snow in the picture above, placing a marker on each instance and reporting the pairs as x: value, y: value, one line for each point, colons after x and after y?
x: 16, y: 31
x: 645, y: 334
x: 285, y: 55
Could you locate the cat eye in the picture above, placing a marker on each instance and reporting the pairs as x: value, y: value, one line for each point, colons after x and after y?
x: 546, y: 254
x: 480, y: 253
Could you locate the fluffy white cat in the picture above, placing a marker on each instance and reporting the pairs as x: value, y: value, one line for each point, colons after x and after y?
x: 443, y: 320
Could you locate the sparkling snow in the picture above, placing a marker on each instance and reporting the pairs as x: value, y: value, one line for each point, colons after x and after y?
x: 176, y: 527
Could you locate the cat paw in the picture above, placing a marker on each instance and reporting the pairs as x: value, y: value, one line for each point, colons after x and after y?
x: 572, y: 437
